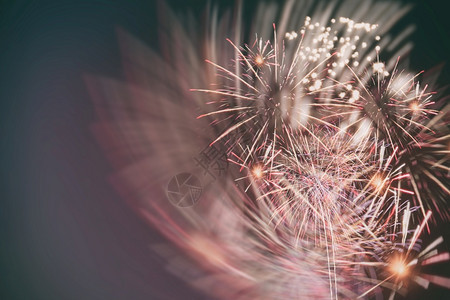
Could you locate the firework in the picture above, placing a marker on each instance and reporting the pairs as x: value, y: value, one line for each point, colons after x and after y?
x: 331, y: 153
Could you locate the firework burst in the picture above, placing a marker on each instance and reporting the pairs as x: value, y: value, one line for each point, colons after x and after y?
x: 334, y: 154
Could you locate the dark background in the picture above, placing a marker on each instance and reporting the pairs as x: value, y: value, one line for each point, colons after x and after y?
x: 65, y: 234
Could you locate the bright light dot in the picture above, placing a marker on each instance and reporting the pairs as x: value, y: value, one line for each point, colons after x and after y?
x: 259, y: 60
x: 258, y: 171
x: 355, y: 96
x: 317, y: 84
x: 399, y: 268
x: 377, y: 182
x: 378, y: 67
x: 414, y: 106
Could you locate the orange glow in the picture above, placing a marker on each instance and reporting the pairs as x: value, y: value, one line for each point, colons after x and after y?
x: 399, y: 268
x: 258, y: 171
x: 377, y: 182
x: 207, y: 250
x: 414, y: 106
x: 259, y: 60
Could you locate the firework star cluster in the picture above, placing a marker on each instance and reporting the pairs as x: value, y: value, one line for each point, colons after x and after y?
x: 336, y: 153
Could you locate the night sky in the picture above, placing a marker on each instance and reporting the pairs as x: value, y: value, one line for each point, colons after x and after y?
x: 65, y: 233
